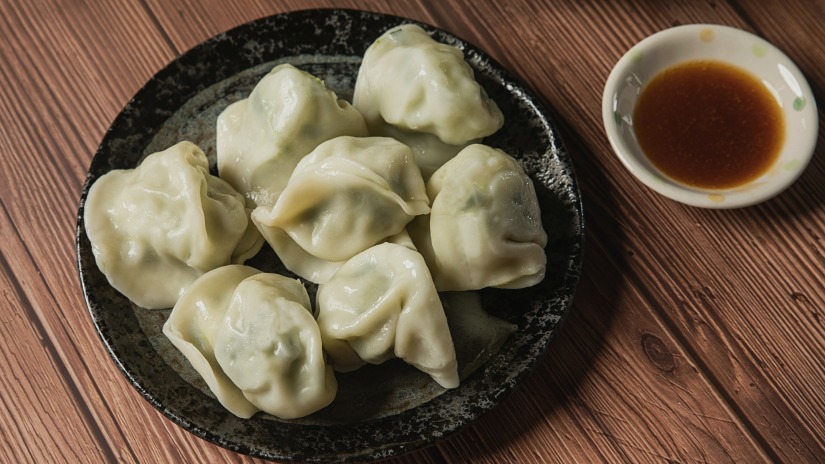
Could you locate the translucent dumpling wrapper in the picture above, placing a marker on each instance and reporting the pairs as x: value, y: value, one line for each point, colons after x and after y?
x: 349, y: 194
x: 270, y: 346
x: 193, y: 325
x: 485, y: 227
x: 415, y: 84
x: 156, y: 228
x: 260, y: 139
x: 382, y: 304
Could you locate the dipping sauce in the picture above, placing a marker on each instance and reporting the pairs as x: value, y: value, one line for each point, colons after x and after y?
x: 709, y: 124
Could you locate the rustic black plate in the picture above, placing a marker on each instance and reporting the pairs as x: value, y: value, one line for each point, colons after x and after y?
x: 380, y: 411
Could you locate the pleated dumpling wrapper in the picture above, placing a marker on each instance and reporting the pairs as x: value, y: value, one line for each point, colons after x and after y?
x: 254, y: 340
x: 260, y: 139
x: 382, y: 304
x: 156, y: 228
x: 423, y: 93
x: 485, y: 226
x: 349, y: 194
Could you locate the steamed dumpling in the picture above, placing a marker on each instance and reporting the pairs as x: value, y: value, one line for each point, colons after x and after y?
x: 485, y: 227
x: 270, y: 346
x: 382, y: 304
x: 347, y: 195
x: 413, y: 82
x: 410, y: 84
x: 193, y: 326
x: 156, y: 228
x: 261, y: 139
x: 253, y: 339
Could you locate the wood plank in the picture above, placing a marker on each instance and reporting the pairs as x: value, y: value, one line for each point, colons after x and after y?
x: 38, y: 413
x: 751, y: 332
x: 668, y: 237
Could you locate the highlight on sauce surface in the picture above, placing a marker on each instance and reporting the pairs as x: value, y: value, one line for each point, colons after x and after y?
x: 709, y: 124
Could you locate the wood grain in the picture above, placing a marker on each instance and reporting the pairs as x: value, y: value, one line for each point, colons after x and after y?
x: 695, y: 336
x: 37, y: 380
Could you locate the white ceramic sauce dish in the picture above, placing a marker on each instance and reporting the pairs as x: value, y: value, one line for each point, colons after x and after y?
x: 731, y: 46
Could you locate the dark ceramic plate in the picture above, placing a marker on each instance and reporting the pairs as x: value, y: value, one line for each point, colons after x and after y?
x: 380, y: 411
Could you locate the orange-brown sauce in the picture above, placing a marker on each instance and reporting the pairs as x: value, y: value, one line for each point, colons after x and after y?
x: 709, y: 124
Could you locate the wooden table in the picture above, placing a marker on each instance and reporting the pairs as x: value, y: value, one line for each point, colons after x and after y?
x: 695, y: 336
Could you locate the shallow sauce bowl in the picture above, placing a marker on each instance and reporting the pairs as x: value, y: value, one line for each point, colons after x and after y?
x: 735, y: 47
